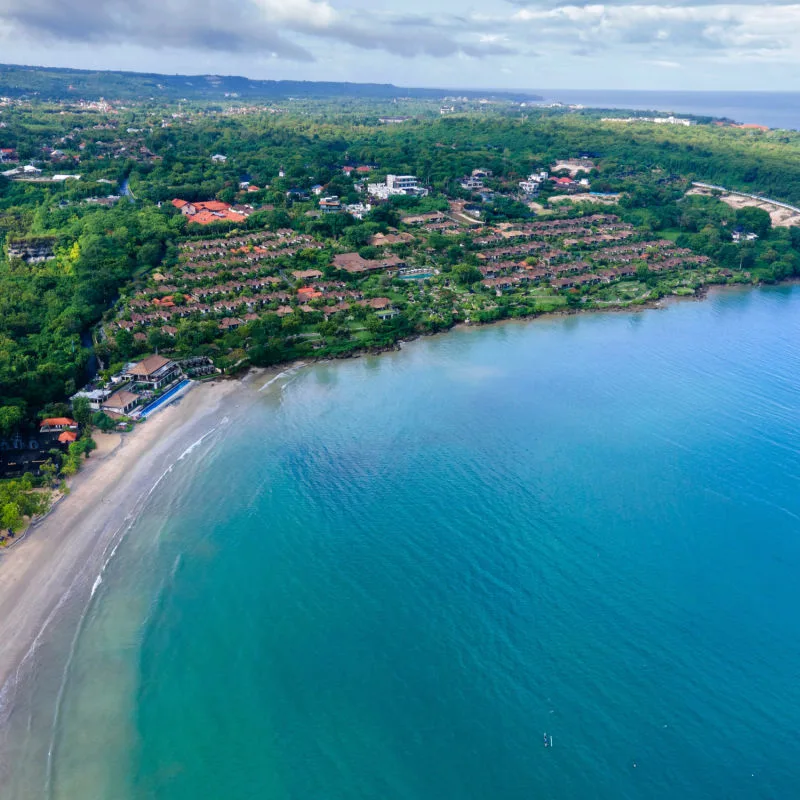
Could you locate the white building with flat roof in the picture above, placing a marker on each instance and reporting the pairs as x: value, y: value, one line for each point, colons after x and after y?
x: 397, y: 185
x: 407, y: 184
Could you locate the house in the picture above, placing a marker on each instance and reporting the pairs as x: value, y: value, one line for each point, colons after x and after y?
x: 472, y: 184
x: 386, y: 239
x: 354, y: 263
x: 397, y: 185
x: 306, y: 274
x: 358, y: 210
x: 317, y: 188
x: 121, y: 402
x: 96, y: 397
x: 218, y: 158
x: 230, y: 323
x: 155, y: 371
x: 57, y: 424
x: 307, y: 293
x: 376, y: 303
x: 406, y: 184
x: 207, y: 212
x: 330, y: 205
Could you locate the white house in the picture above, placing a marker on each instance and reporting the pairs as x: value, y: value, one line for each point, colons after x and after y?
x: 358, y: 210
x: 397, y: 185
x: 407, y: 184
x: 472, y: 184
x: 218, y: 158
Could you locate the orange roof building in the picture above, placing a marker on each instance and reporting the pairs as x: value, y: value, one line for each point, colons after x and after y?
x: 57, y: 424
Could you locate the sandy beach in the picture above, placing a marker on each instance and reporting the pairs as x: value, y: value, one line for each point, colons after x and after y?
x: 61, y: 554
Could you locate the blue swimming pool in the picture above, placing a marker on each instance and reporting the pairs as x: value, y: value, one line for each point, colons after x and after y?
x: 163, y: 399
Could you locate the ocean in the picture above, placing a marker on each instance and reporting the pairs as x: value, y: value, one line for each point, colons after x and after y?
x: 400, y: 576
x: 774, y: 109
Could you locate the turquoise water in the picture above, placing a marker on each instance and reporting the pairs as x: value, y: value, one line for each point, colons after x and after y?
x: 389, y: 577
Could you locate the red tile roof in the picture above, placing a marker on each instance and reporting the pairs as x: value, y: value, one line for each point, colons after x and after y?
x: 52, y: 422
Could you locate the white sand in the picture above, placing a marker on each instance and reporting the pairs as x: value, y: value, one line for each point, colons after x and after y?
x: 37, y: 573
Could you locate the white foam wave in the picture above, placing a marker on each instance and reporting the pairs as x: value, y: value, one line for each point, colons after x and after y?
x: 196, y: 444
x: 97, y: 581
x: 285, y: 374
x: 272, y: 380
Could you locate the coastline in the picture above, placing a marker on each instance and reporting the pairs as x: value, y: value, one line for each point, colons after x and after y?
x: 67, y: 546
x: 63, y: 553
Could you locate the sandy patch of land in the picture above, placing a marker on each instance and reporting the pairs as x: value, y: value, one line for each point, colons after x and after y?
x: 585, y: 197
x: 781, y: 217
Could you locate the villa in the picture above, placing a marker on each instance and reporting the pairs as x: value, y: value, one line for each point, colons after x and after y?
x: 57, y: 425
x: 155, y: 371
x: 121, y: 402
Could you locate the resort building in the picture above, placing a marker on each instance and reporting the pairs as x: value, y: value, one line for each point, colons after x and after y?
x: 155, y: 371
x: 96, y: 397
x: 121, y: 402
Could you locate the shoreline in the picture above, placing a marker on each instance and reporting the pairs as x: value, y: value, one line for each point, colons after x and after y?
x: 61, y: 552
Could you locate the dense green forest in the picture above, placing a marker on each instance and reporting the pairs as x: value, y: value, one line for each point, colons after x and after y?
x: 47, y: 310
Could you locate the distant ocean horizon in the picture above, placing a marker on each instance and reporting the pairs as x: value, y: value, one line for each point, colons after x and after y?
x: 774, y: 109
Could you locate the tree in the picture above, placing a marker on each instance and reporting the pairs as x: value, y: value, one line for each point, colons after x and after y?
x: 10, y: 418
x: 103, y: 421
x: 82, y: 411
x: 466, y: 274
x: 10, y: 517
x: 755, y: 220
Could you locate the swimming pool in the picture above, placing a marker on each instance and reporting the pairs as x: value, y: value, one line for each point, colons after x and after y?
x: 164, y: 399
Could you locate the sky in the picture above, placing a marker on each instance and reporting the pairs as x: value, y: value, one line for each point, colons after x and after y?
x: 517, y: 44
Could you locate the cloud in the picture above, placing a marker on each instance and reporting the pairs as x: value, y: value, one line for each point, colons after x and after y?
x: 283, y: 28
x: 685, y: 30
x: 248, y: 26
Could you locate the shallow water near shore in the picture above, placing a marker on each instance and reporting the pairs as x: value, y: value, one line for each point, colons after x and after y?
x: 389, y: 577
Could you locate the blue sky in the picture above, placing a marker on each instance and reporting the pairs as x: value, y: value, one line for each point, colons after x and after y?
x: 623, y: 44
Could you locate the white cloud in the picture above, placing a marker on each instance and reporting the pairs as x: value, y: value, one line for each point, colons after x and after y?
x: 697, y: 29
